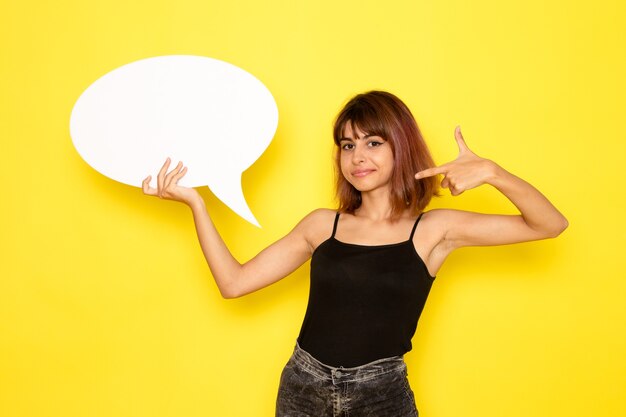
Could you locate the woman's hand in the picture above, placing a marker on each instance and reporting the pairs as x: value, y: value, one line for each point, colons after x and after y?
x: 167, y: 185
x: 467, y: 171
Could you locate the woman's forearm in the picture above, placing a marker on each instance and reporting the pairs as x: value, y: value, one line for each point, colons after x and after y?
x: 224, y: 267
x: 537, y: 211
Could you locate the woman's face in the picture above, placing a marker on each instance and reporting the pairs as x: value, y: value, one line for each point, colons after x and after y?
x: 366, y: 161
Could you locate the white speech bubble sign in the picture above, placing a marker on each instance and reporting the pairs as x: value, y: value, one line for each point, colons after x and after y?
x: 215, y: 117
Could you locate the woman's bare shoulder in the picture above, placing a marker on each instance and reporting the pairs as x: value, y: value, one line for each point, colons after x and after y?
x: 435, y: 222
x: 448, y: 224
x: 317, y: 226
x: 319, y: 219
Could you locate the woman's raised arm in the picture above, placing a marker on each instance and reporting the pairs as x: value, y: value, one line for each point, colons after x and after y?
x: 539, y: 219
x: 232, y: 278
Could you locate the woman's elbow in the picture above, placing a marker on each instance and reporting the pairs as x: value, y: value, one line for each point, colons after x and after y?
x: 229, y: 290
x: 227, y: 295
x: 230, y: 293
x: 559, y: 228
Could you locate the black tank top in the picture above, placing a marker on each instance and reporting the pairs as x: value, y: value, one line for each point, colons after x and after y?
x: 364, y: 301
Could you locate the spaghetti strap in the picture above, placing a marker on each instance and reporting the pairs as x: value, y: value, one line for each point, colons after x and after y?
x: 335, y: 225
x: 415, y: 225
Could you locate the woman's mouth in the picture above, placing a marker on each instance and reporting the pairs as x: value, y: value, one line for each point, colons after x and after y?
x: 361, y: 172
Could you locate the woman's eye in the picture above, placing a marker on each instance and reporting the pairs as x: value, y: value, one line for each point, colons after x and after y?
x: 375, y: 143
x: 347, y: 146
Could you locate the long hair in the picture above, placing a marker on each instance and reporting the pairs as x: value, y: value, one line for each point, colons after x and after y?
x: 383, y: 114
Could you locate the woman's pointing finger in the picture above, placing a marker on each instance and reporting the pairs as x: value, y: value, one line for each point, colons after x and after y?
x: 430, y: 172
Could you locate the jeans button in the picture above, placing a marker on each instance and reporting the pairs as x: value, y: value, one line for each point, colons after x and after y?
x: 338, y: 374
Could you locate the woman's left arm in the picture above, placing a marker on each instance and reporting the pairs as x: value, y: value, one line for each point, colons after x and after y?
x: 538, y: 218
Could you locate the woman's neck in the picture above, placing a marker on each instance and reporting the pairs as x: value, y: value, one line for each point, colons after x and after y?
x: 375, y: 205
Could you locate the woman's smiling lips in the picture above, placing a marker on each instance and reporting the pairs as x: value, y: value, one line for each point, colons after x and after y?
x: 361, y: 172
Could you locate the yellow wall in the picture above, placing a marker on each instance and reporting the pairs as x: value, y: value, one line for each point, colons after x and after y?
x: 107, y: 307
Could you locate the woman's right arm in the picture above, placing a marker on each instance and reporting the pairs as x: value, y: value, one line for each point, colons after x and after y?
x: 232, y: 278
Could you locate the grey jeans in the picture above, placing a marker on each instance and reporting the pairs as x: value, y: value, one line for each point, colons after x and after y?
x: 311, y: 388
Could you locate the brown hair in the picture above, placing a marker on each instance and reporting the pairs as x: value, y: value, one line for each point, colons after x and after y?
x: 383, y: 114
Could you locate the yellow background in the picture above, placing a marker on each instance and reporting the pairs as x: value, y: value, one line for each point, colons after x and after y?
x: 108, y: 309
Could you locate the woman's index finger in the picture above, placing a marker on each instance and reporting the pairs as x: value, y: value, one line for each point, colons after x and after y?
x: 430, y: 172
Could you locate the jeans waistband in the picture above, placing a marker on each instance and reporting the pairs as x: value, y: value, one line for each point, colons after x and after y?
x: 340, y: 374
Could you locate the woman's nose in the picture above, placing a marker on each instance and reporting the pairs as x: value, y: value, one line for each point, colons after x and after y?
x: 358, y: 155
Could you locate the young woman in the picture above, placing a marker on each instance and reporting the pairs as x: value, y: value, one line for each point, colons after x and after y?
x: 371, y: 265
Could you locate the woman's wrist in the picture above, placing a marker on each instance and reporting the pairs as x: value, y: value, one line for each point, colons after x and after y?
x: 496, y: 176
x: 195, y: 202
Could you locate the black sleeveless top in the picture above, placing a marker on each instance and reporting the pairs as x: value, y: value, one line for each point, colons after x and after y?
x: 364, y: 301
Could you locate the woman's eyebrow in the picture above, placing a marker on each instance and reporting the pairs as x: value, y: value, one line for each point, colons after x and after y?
x: 362, y: 137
